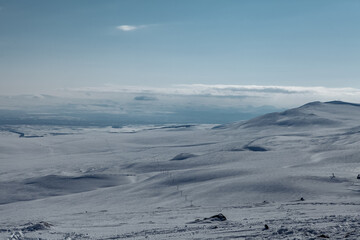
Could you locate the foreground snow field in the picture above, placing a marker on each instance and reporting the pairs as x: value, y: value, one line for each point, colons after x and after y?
x: 294, y: 171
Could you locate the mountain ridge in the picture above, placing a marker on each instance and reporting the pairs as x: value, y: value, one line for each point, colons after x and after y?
x: 312, y: 114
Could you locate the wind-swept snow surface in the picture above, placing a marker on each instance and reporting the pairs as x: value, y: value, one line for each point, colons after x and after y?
x: 295, y: 172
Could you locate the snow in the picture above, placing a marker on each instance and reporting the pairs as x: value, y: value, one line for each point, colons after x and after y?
x: 166, y: 182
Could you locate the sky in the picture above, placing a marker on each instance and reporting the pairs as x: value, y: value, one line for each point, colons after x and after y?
x: 48, y: 46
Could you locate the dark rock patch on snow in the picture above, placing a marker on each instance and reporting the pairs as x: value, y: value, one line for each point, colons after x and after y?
x: 216, y: 218
x: 255, y: 148
x: 32, y: 227
x: 183, y: 156
x: 323, y: 236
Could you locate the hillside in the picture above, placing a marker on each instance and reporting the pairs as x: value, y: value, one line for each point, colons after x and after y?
x: 294, y: 170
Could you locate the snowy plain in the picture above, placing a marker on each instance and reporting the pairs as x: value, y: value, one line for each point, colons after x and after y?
x: 294, y: 171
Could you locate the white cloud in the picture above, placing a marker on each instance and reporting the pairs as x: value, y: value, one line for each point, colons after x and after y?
x: 254, y: 95
x: 127, y: 28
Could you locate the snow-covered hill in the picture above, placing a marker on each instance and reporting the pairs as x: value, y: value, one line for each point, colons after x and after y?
x: 295, y: 171
x: 314, y: 114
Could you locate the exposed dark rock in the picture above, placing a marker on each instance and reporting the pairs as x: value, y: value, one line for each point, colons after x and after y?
x: 218, y: 217
x: 37, y: 227
x: 255, y: 148
x: 183, y: 156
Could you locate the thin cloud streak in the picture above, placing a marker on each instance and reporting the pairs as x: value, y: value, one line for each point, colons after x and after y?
x: 127, y: 28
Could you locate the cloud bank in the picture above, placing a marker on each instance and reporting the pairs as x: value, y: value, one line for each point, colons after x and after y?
x: 195, y: 103
x: 253, y: 95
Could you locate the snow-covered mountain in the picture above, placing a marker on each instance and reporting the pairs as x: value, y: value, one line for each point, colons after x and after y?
x: 295, y: 171
x: 315, y: 114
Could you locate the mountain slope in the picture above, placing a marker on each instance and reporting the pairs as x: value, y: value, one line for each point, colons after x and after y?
x: 157, y: 180
x: 316, y: 114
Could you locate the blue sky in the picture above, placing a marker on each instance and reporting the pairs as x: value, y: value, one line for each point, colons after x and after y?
x: 48, y: 45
